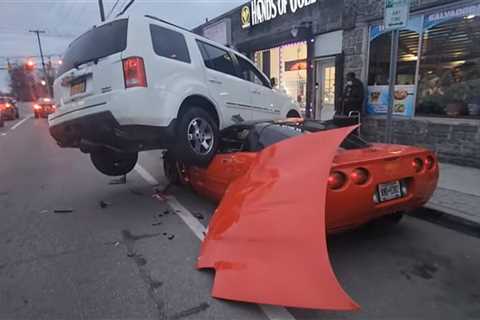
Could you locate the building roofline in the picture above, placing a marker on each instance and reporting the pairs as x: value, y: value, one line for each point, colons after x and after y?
x: 220, y: 17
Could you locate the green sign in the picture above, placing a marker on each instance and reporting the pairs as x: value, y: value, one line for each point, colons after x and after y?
x: 396, y: 14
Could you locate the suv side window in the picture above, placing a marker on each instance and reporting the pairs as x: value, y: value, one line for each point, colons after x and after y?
x: 216, y: 58
x: 169, y: 44
x: 250, y: 73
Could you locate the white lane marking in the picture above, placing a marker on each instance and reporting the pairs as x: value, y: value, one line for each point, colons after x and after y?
x: 20, y: 123
x: 146, y: 175
x: 276, y: 313
x: 187, y: 217
x: 272, y: 312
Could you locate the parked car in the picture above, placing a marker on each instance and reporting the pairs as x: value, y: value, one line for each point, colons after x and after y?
x: 141, y: 83
x: 43, y: 107
x: 9, y: 108
x: 367, y: 181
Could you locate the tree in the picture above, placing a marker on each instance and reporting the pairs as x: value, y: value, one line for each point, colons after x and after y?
x: 22, y: 83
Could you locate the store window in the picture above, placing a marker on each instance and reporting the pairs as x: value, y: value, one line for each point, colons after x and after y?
x: 379, y: 69
x: 449, y: 78
x: 287, y: 67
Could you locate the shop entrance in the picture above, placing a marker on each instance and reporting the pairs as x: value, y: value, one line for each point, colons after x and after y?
x: 325, y: 89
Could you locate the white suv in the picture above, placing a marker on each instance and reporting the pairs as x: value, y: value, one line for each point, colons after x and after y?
x: 141, y: 83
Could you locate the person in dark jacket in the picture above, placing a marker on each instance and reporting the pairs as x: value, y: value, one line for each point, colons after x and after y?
x: 353, y: 95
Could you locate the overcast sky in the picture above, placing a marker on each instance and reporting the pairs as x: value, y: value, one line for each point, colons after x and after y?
x: 65, y: 19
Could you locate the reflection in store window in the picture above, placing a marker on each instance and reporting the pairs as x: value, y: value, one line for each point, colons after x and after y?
x: 449, y: 83
x: 288, y: 65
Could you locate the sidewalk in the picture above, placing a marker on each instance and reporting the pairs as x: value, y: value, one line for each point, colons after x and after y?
x: 458, y: 193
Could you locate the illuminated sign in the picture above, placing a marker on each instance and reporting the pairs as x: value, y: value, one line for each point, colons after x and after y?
x: 260, y: 11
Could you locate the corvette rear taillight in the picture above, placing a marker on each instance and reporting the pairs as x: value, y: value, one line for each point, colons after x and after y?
x: 134, y: 72
x: 336, y: 180
x: 429, y: 162
x: 417, y: 164
x: 360, y: 176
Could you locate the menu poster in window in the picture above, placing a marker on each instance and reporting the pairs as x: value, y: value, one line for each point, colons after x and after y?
x: 403, y: 104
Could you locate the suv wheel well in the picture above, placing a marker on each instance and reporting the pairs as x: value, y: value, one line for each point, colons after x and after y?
x: 199, y: 101
x: 293, y: 114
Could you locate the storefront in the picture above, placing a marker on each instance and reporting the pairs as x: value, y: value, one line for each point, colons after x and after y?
x: 297, y: 44
x: 438, y: 65
x: 307, y: 46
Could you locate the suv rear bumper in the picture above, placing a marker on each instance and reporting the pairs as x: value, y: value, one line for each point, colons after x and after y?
x: 100, y: 130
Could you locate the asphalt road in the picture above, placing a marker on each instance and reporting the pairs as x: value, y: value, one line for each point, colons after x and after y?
x: 112, y: 251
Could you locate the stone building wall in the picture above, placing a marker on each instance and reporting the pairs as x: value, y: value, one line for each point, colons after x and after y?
x: 455, y: 141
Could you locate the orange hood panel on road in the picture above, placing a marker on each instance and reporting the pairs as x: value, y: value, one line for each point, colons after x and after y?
x: 267, y: 239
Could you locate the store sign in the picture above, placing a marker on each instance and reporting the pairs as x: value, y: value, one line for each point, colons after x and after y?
x: 434, y: 19
x: 396, y: 14
x: 260, y: 11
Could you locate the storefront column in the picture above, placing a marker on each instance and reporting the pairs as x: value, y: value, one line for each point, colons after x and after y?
x: 310, y: 78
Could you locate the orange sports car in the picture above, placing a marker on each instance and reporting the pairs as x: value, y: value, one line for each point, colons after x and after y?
x: 366, y: 182
x: 311, y: 177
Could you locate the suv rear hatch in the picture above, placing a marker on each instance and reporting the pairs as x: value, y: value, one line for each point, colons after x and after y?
x: 92, y: 66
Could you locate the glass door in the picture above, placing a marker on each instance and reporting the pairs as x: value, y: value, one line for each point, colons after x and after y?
x: 325, y: 89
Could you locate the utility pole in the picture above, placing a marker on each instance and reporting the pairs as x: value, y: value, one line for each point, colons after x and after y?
x: 37, y: 32
x: 102, y: 12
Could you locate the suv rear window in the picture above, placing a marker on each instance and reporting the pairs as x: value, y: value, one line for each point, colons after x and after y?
x: 169, y: 44
x: 97, y: 43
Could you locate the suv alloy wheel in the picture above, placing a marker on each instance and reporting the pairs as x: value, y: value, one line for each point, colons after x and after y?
x: 198, y: 137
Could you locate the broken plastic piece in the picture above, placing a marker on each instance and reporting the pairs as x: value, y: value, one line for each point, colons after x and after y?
x: 250, y: 242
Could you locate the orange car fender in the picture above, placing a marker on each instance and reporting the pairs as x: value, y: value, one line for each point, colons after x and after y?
x: 267, y: 239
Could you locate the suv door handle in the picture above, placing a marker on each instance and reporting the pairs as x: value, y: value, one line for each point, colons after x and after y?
x: 256, y: 91
x: 215, y: 81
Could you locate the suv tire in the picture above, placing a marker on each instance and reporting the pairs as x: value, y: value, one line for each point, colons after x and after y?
x: 112, y: 163
x: 198, y: 137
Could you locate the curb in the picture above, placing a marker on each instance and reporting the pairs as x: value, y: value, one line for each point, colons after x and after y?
x: 448, y: 220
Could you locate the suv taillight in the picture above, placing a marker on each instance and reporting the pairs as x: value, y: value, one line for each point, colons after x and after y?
x: 134, y: 72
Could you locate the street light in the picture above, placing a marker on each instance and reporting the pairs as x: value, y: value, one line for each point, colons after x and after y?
x: 43, y: 82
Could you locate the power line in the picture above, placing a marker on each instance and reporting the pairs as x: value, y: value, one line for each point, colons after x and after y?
x: 126, y: 8
x: 113, y: 8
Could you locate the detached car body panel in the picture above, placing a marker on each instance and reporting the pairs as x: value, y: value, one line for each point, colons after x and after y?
x: 267, y: 239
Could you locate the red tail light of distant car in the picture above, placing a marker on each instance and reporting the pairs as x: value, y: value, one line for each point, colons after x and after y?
x: 134, y: 72
x: 37, y: 107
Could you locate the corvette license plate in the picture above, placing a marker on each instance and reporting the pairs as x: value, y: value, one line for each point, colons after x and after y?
x: 389, y: 191
x: 77, y: 88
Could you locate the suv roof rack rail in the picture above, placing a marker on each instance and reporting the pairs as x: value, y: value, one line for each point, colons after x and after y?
x: 167, y: 22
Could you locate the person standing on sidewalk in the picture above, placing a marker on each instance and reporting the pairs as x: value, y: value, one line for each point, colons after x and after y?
x: 353, y: 95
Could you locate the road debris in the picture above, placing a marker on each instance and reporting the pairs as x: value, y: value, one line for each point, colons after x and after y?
x: 44, y: 211
x: 122, y: 180
x: 103, y: 204
x: 199, y: 216
x: 63, y: 211
x: 157, y: 224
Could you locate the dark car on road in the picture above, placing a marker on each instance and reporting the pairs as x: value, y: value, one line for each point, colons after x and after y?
x: 43, y: 107
x: 8, y: 107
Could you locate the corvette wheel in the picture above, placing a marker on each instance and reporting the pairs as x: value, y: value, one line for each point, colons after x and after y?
x: 198, y: 137
x: 113, y: 163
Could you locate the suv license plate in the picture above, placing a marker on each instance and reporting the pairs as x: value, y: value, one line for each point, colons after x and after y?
x: 77, y: 88
x: 389, y: 191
